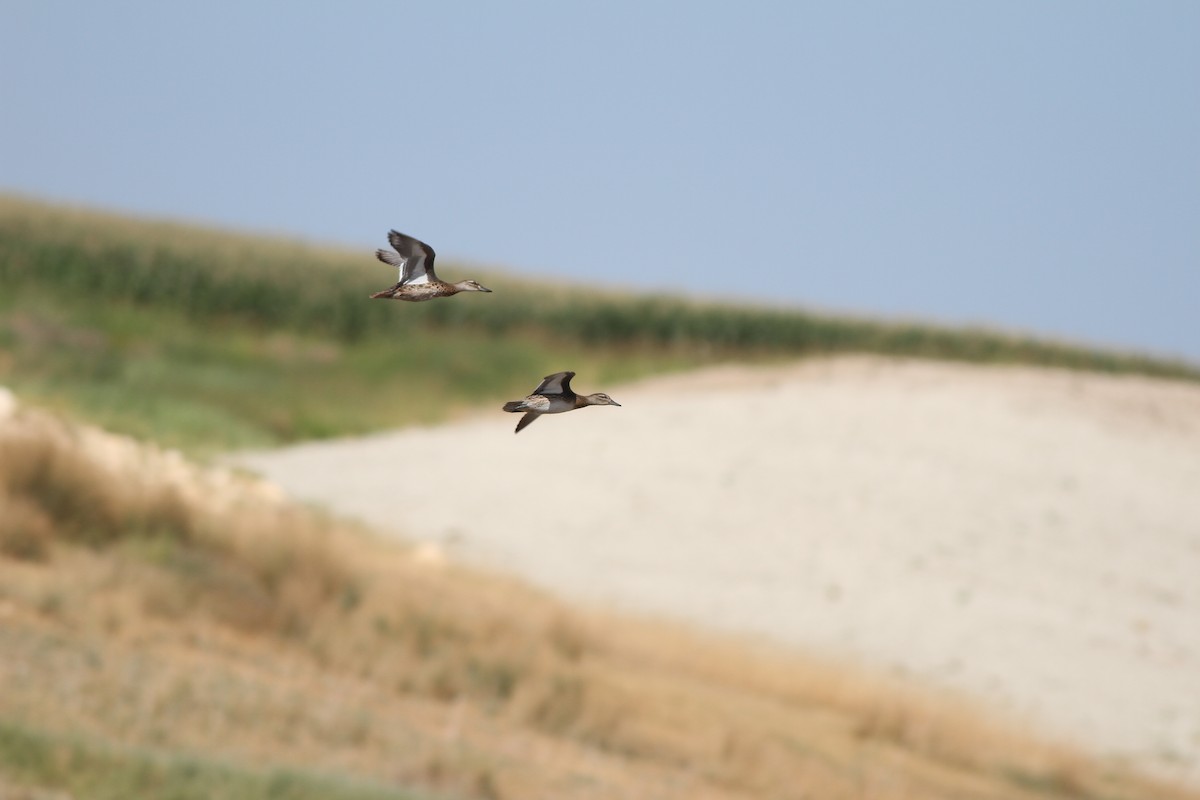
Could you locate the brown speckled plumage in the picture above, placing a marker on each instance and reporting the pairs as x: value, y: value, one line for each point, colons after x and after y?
x: 417, y: 281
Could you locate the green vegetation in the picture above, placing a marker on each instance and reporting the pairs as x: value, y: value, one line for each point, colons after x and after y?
x: 164, y: 632
x: 150, y: 372
x: 103, y: 772
x: 211, y: 340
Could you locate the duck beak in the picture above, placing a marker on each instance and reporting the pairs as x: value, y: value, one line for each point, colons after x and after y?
x: 612, y: 402
x: 484, y: 289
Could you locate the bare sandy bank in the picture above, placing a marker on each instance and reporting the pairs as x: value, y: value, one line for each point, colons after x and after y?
x: 1029, y: 536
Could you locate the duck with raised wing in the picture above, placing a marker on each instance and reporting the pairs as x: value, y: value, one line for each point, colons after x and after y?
x: 554, y: 396
x: 417, y: 281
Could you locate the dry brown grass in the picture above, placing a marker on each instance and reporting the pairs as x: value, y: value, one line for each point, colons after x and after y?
x: 150, y: 603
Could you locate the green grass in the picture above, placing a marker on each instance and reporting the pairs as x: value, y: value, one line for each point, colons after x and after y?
x: 148, y: 372
x: 211, y: 340
x: 34, y: 759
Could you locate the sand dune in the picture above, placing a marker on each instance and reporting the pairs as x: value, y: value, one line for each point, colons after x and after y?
x: 1031, y: 537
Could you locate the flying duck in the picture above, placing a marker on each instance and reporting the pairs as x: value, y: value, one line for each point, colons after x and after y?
x: 417, y: 281
x: 554, y: 396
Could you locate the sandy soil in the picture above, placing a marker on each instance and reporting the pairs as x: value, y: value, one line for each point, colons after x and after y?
x: 1030, y: 537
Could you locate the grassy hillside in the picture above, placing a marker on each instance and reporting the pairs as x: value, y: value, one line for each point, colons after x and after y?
x: 169, y: 632
x: 210, y: 340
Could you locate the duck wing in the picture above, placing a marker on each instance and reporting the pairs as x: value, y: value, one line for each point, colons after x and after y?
x: 558, y: 383
x: 526, y: 421
x: 413, y: 258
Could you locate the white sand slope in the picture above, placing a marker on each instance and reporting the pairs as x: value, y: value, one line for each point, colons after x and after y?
x: 1029, y: 536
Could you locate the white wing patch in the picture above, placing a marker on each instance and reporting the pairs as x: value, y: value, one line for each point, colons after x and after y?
x: 413, y: 267
x: 416, y: 271
x: 413, y: 258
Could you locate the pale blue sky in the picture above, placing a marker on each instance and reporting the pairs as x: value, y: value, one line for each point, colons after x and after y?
x: 1028, y: 165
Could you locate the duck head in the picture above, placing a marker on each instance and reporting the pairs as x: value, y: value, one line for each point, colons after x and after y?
x: 601, y: 399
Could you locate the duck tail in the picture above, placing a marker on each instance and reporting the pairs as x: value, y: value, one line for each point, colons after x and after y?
x: 514, y: 405
x: 388, y: 292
